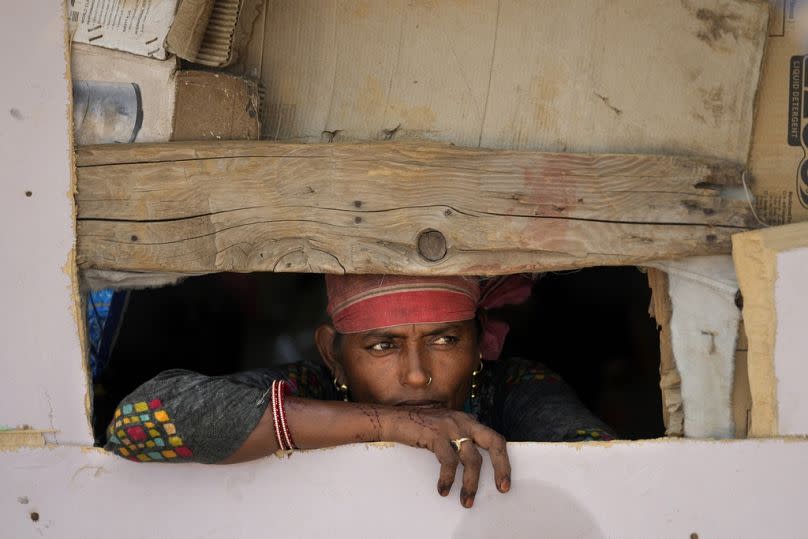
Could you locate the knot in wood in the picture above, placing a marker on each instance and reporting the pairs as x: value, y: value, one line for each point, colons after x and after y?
x: 431, y: 245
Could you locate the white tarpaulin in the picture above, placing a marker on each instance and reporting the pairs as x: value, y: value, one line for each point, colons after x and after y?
x: 704, y: 328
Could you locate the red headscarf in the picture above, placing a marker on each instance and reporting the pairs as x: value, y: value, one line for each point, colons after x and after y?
x: 358, y: 303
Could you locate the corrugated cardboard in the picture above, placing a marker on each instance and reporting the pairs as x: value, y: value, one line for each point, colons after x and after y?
x: 778, y: 158
x: 655, y: 76
x: 212, y: 32
x: 215, y: 106
x: 188, y: 28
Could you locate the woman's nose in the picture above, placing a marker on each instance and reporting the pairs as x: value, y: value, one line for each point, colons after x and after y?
x: 414, y: 367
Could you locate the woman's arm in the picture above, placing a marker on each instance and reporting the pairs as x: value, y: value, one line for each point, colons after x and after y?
x: 316, y: 424
x: 182, y: 416
x: 185, y: 416
x: 313, y: 424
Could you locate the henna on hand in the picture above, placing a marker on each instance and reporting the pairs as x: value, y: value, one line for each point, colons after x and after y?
x: 434, y: 429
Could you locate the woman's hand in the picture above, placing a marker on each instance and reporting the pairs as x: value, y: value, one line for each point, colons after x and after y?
x: 327, y: 424
x: 434, y: 429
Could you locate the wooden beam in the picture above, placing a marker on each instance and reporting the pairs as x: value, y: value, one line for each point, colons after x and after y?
x: 394, y: 207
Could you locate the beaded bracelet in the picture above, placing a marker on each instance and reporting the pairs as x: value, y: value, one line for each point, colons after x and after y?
x: 280, y: 388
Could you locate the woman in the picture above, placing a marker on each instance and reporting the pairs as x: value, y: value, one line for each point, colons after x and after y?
x: 406, y: 358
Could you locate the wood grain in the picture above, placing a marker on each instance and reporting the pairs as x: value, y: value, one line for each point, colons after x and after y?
x: 261, y: 206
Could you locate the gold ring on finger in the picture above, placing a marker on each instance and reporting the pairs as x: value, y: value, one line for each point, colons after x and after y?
x: 458, y: 442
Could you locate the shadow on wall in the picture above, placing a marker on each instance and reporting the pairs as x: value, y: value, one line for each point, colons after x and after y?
x: 540, y: 510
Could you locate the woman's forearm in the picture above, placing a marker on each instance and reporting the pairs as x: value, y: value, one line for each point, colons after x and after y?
x: 452, y: 435
x: 315, y: 424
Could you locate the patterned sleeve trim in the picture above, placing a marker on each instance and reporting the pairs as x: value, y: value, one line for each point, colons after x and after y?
x: 143, y: 431
x: 184, y: 416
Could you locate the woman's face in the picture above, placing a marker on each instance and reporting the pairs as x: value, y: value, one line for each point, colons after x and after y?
x: 427, y: 365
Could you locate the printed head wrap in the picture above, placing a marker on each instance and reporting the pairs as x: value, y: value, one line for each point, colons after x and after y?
x: 358, y: 303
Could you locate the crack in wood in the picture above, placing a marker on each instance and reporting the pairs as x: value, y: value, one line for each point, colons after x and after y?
x: 477, y: 214
x: 166, y: 219
x: 195, y: 159
x: 509, y: 210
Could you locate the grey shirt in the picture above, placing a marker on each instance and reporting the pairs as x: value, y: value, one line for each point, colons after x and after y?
x: 181, y: 415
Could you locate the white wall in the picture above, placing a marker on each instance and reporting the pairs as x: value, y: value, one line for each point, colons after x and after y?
x: 791, y: 344
x: 650, y: 489
x: 750, y: 488
x: 42, y: 383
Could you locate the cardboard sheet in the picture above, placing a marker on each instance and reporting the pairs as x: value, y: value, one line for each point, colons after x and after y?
x: 215, y: 106
x: 186, y: 33
x: 212, y: 32
x: 135, y: 26
x: 573, y: 75
x: 778, y: 159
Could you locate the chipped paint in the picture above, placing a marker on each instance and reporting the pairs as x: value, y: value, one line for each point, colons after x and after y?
x: 380, y: 445
x: 13, y: 439
x: 513, y: 446
x: 91, y: 449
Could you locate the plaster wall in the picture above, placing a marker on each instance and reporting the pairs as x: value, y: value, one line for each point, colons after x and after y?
x: 791, y: 343
x: 751, y: 488
x: 42, y: 380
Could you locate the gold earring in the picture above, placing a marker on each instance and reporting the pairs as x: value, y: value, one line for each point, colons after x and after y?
x: 342, y: 388
x: 475, y: 383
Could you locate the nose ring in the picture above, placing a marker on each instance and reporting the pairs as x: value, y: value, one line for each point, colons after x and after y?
x: 429, y: 381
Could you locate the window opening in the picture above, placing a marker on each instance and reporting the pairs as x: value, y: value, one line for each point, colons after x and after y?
x: 590, y: 326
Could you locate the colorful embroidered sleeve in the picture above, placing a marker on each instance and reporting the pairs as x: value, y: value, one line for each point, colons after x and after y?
x: 186, y: 416
x: 532, y: 403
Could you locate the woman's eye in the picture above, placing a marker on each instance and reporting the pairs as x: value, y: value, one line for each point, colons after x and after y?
x: 446, y: 339
x: 381, y: 347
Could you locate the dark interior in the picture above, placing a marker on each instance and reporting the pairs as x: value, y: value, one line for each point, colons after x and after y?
x: 591, y: 326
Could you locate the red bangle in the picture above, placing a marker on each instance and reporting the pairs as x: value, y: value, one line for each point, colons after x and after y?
x: 282, y: 433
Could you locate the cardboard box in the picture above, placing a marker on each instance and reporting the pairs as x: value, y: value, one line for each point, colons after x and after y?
x: 177, y: 105
x: 215, y: 106
x: 155, y: 78
x: 778, y: 163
